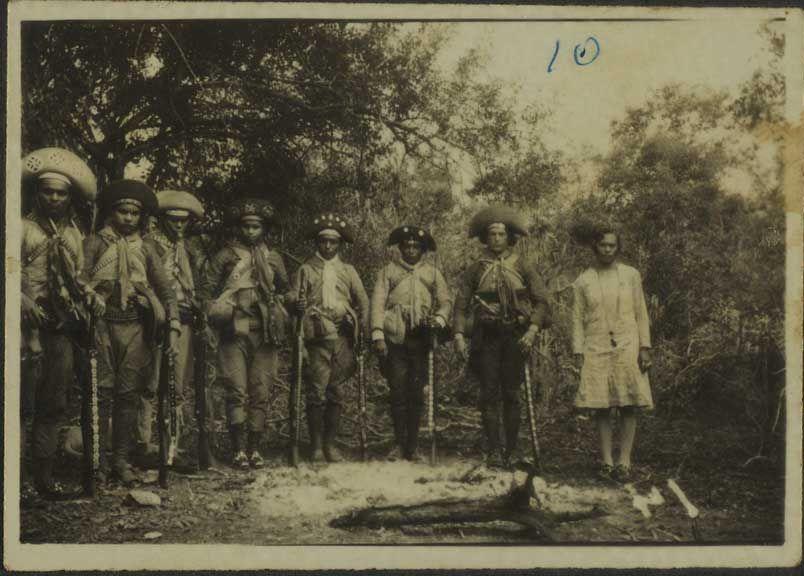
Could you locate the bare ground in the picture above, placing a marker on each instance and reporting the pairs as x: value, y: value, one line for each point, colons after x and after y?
x: 281, y: 505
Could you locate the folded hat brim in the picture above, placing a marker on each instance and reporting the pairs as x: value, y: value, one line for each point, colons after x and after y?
x: 512, y: 219
x: 179, y: 200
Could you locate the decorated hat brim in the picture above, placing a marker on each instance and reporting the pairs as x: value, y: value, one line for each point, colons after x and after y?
x: 62, y: 162
x: 399, y: 235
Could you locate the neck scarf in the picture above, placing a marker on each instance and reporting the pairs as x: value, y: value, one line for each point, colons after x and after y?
x: 130, y: 262
x: 496, y: 277
x: 264, y: 274
x: 329, y: 282
x: 414, y: 316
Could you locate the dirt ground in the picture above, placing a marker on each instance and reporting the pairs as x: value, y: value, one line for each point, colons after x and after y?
x: 282, y: 505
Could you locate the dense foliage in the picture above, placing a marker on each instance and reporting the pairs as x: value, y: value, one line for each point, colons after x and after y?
x: 359, y: 118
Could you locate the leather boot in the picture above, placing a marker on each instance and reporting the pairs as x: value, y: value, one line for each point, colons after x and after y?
x: 414, y: 423
x: 239, y: 458
x: 332, y: 416
x: 123, y: 422
x: 44, y: 484
x: 398, y: 420
x: 511, y: 421
x: 491, y: 426
x: 314, y: 425
x: 255, y: 459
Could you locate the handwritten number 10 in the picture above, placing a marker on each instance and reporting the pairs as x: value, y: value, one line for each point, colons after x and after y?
x: 583, y: 54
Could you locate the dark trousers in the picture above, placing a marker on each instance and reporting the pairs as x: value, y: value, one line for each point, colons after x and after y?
x: 47, y: 382
x: 500, y: 367
x: 405, y: 369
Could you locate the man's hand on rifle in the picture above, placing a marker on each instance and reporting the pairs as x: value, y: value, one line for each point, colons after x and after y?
x: 380, y: 348
x: 32, y: 313
x: 434, y: 322
x: 461, y: 349
x: 526, y: 342
x: 96, y: 304
x: 173, y: 338
x: 301, y: 306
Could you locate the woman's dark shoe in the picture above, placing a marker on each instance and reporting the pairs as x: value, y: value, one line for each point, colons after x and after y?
x: 605, y: 472
x: 622, y: 473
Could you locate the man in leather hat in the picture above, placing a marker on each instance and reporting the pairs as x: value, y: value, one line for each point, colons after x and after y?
x: 507, y: 300
x: 55, y: 302
x: 409, y: 301
x: 335, y: 310
x: 128, y: 273
x: 177, y: 211
x: 244, y: 288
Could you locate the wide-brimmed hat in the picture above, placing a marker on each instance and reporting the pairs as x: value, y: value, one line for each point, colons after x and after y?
x: 179, y: 202
x: 514, y: 221
x: 131, y: 190
x: 333, y: 222
x: 407, y: 232
x: 65, y: 163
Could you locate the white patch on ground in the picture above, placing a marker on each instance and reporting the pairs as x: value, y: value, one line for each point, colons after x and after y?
x: 329, y: 491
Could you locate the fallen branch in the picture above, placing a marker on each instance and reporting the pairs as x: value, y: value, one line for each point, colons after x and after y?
x: 512, y: 507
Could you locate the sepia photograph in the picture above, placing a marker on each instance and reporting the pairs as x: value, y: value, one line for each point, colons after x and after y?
x: 360, y: 286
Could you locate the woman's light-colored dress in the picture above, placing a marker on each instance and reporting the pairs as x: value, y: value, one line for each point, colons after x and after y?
x: 610, y: 324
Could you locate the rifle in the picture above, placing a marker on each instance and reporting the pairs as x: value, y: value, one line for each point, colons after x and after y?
x: 201, y: 345
x: 361, y: 399
x: 89, y: 416
x: 296, y: 385
x: 167, y: 422
x: 431, y: 393
x: 534, y: 442
x: 431, y: 397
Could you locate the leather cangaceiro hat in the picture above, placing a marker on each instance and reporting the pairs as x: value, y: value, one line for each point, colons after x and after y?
x: 333, y: 222
x: 513, y: 220
x: 132, y: 190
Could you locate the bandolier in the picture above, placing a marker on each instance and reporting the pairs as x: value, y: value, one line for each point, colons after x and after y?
x: 335, y: 317
x: 55, y: 303
x: 128, y: 273
x: 245, y: 288
x: 506, y: 298
x: 409, y: 300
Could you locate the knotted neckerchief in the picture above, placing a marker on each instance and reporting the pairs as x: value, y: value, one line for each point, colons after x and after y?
x: 413, y: 277
x: 263, y: 273
x: 499, y: 276
x: 329, y: 282
x: 179, y: 260
x: 127, y: 251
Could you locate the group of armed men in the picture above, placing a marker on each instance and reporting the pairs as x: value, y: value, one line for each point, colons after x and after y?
x: 142, y: 291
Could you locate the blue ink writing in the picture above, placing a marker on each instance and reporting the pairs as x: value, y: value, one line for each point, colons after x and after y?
x: 586, y: 53
x: 583, y: 54
x: 553, y: 59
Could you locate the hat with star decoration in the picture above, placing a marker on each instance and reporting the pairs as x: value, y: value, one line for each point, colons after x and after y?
x: 410, y: 232
x: 331, y: 224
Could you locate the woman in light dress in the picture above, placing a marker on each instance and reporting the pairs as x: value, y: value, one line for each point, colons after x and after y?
x: 611, y: 343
